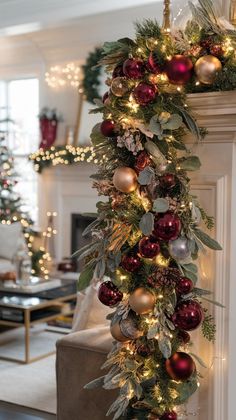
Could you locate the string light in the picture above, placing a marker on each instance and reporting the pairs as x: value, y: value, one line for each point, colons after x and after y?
x: 59, y: 76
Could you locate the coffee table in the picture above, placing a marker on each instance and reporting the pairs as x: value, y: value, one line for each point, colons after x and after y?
x: 26, y: 311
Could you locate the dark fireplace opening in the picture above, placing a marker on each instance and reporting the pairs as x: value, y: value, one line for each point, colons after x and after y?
x: 79, y: 222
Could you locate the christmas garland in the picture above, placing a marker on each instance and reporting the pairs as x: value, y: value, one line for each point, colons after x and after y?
x: 147, y: 236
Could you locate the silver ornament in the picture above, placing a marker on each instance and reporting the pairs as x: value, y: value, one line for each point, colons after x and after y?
x: 180, y: 248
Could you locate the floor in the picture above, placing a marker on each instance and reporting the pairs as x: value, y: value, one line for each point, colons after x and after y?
x: 15, y: 412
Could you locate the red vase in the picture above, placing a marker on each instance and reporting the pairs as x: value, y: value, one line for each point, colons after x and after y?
x: 48, y: 130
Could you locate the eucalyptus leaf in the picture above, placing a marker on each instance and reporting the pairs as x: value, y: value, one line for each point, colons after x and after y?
x: 207, y: 240
x: 175, y: 121
x: 96, y: 383
x: 152, y: 332
x: 185, y: 390
x: 214, y: 302
x: 91, y: 226
x: 154, y: 151
x: 190, y: 163
x: 164, y: 344
x: 189, y: 121
x: 146, y: 224
x: 199, y: 360
x: 85, y: 278
x: 202, y: 292
x: 100, y: 269
x: 191, y: 267
x: 146, y: 176
x: 155, y: 126
x: 160, y: 205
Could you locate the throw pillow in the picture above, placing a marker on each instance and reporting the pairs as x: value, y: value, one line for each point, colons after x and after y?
x: 9, y: 240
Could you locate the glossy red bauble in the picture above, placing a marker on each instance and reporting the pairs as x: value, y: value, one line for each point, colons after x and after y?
x: 141, y: 161
x: 133, y: 69
x: 179, y: 69
x: 171, y: 415
x: 188, y: 315
x: 118, y: 71
x: 131, y: 262
x: 109, y: 294
x: 180, y: 366
x: 149, y: 247
x: 167, y: 226
x: 152, y: 63
x: 144, y: 93
x: 167, y: 181
x: 184, y: 286
x: 108, y: 128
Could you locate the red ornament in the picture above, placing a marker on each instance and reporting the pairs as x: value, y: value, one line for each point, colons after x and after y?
x: 134, y: 69
x: 217, y: 50
x: 141, y: 161
x: 149, y: 247
x: 105, y: 98
x: 184, y: 286
x: 109, y: 294
x: 131, y: 262
x: 180, y: 366
x: 144, y: 350
x: 184, y: 336
x: 179, y: 69
x: 152, y: 63
x: 167, y: 226
x: 144, y: 93
x: 118, y: 71
x: 167, y: 181
x: 108, y: 128
x: 171, y: 415
x: 188, y: 315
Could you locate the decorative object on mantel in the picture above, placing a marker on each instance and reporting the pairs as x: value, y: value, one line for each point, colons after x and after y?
x: 147, y: 239
x: 58, y: 155
x: 49, y: 119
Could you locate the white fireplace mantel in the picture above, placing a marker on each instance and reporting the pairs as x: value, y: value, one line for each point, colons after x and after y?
x: 67, y: 189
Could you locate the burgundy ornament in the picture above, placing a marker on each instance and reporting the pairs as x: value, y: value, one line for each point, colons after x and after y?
x: 167, y: 181
x: 105, y: 97
x: 109, y: 294
x: 149, y: 247
x: 184, y: 286
x: 145, y: 93
x: 131, y: 262
x: 108, y: 128
x: 179, y: 69
x: 152, y: 63
x: 141, y: 161
x: 188, y: 315
x: 217, y: 50
x: 171, y: 415
x: 184, y: 336
x: 180, y: 366
x: 134, y: 69
x: 118, y: 71
x: 167, y: 226
x: 144, y: 350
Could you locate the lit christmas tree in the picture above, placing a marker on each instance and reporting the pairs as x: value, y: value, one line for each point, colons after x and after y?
x: 147, y: 236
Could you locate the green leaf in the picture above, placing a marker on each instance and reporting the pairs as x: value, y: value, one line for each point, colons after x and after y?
x: 207, y: 240
x: 85, y: 278
x: 146, y: 224
x: 199, y: 360
x: 202, y: 292
x: 154, y: 151
x: 95, y: 384
x: 175, y: 121
x: 160, y: 205
x: 191, y: 267
x: 214, y: 302
x: 189, y: 121
x: 191, y: 163
x: 155, y: 126
x: 185, y: 390
x: 164, y: 344
x: 146, y: 176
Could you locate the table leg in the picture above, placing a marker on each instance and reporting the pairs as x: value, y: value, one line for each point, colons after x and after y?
x: 27, y: 336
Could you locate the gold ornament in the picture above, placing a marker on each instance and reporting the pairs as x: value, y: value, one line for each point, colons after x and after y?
x: 142, y: 301
x: 119, y: 86
x: 207, y: 68
x: 117, y: 334
x: 125, y: 179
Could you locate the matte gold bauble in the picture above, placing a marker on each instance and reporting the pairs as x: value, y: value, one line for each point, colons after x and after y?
x: 117, y: 334
x: 207, y: 68
x: 125, y: 179
x: 142, y: 301
x: 119, y: 86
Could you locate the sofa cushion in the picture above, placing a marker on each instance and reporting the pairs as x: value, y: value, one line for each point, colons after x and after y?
x: 97, y: 339
x: 10, y: 236
x: 6, y: 266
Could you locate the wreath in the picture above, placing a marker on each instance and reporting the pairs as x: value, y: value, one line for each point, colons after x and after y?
x: 92, y: 73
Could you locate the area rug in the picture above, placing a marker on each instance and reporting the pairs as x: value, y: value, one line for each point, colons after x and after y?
x: 32, y: 385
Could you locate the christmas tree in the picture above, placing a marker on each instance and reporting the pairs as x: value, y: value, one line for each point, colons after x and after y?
x: 148, y: 234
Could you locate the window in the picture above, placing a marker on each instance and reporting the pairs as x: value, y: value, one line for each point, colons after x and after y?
x: 19, y: 105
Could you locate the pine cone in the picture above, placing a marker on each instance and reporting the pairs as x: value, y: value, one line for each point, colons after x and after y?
x: 164, y: 277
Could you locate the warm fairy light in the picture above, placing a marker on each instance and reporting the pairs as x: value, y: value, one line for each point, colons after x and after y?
x: 132, y: 104
x: 162, y: 261
x: 69, y: 75
x: 197, y: 83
